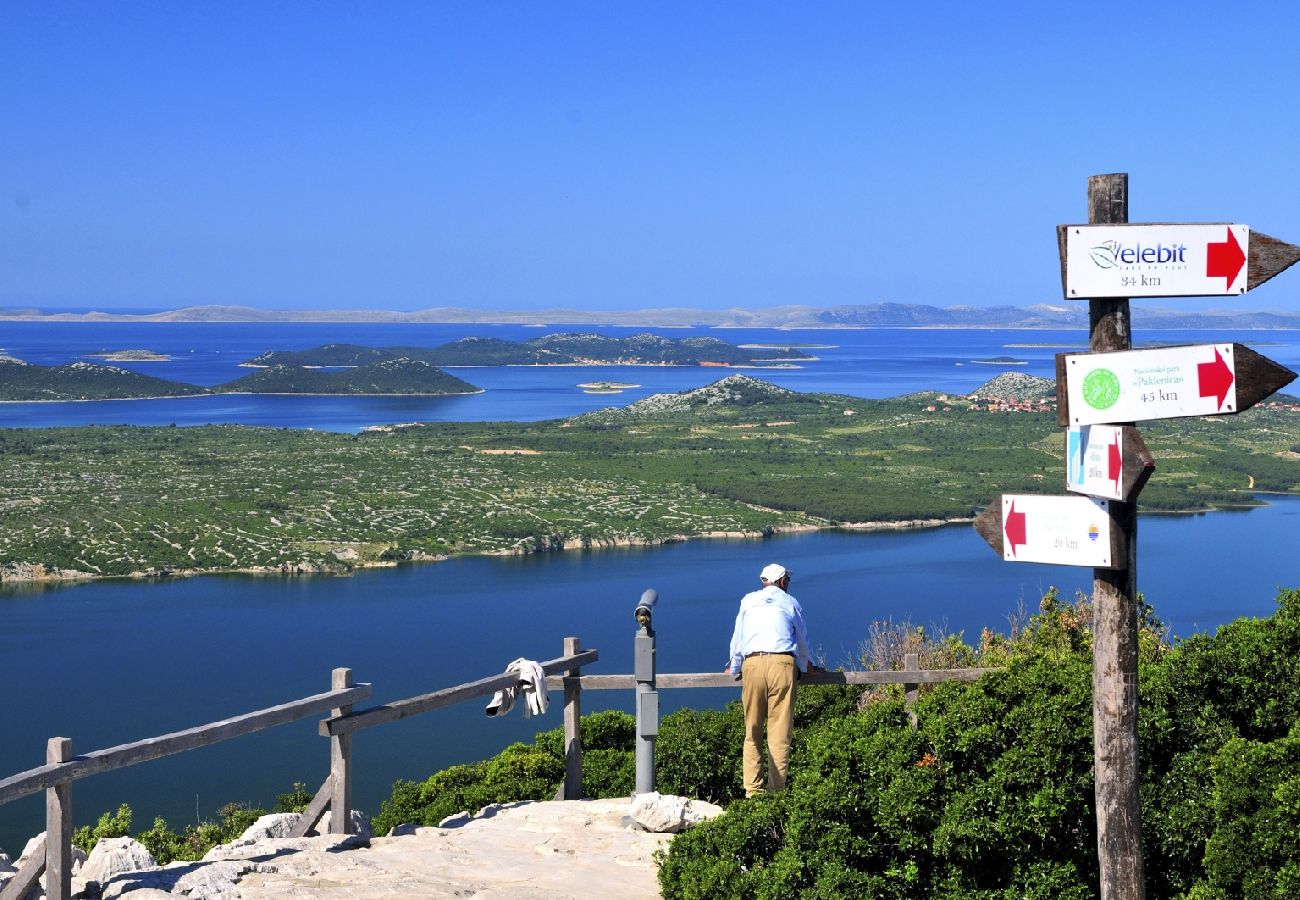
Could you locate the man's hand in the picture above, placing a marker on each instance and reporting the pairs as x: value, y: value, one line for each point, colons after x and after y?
x: 727, y: 670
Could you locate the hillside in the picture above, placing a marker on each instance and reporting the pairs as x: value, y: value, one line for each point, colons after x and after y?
x: 740, y: 456
x: 396, y: 375
x: 20, y: 381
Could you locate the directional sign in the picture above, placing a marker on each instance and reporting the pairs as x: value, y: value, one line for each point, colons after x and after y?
x: 1068, y: 531
x: 1182, y: 260
x: 1164, y: 383
x: 1109, y: 461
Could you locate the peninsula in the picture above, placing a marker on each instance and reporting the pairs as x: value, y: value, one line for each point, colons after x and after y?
x: 739, y: 457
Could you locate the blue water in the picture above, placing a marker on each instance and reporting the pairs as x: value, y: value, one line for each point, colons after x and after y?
x: 869, y: 363
x: 113, y: 662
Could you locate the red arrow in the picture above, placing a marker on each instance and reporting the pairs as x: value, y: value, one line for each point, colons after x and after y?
x: 1115, y: 463
x: 1215, y: 377
x: 1225, y: 259
x: 1015, y: 528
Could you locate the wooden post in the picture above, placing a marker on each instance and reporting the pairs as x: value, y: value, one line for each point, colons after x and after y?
x: 911, y: 663
x: 341, y: 763
x: 1115, y: 629
x: 58, y: 825
x: 572, y: 725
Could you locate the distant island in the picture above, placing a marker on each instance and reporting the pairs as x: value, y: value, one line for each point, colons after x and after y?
x: 1001, y: 361
x: 1061, y: 315
x: 606, y: 387
x: 131, y: 356
x: 562, y: 349
x: 353, y: 369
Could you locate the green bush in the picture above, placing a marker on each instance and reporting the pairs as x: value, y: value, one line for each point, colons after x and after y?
x: 110, y: 825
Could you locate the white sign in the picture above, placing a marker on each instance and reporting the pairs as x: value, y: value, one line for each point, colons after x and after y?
x: 1069, y: 531
x: 1094, y: 460
x: 1165, y: 383
x: 1155, y: 260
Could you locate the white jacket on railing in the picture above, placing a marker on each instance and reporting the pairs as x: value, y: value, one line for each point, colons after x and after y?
x: 532, y: 681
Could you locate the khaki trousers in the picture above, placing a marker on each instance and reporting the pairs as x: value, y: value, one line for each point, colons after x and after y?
x: 767, y: 693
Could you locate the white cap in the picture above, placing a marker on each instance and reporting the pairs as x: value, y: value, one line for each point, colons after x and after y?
x: 772, y: 573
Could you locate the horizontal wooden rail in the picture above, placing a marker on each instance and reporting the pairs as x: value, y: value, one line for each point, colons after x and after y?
x: 35, y: 780
x: 723, y: 680
x: 412, y: 706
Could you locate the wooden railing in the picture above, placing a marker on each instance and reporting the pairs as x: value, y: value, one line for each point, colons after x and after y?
x: 54, y: 858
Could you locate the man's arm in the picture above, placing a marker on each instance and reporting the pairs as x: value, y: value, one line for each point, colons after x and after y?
x: 735, y: 655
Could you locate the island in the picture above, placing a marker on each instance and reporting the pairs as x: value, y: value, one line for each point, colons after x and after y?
x: 131, y: 356
x: 740, y: 456
x: 606, y: 387
x: 1001, y: 361
x: 395, y: 375
x: 25, y: 382
x: 561, y: 349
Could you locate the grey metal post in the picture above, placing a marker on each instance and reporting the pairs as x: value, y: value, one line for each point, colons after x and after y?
x: 647, y: 698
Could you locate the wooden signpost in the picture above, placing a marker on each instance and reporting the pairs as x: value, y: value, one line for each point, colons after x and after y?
x: 1165, y: 383
x: 1100, y: 394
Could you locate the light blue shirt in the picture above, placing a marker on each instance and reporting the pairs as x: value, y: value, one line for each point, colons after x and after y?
x: 770, y: 621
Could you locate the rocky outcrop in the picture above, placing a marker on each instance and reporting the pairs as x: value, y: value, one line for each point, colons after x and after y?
x: 669, y: 814
x: 113, y: 856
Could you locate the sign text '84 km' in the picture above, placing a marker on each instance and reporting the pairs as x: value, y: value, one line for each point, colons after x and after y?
x: 1174, y: 260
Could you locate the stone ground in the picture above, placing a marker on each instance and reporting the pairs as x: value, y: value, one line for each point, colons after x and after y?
x: 526, y: 851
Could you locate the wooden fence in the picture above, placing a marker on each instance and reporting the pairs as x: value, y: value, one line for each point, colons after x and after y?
x: 54, y: 857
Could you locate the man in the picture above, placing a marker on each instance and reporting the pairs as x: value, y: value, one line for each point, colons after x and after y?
x: 768, y: 645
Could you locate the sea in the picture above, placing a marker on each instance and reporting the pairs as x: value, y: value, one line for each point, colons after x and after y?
x: 110, y: 662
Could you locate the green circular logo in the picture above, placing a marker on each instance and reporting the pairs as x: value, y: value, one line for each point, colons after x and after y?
x: 1100, y: 388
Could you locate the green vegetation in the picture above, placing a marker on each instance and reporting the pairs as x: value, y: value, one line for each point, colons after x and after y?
x: 82, y: 381
x: 395, y: 375
x: 991, y: 797
x: 737, y: 456
x: 167, y: 845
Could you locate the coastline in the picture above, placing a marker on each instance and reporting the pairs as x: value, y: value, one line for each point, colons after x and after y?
x: 32, y: 574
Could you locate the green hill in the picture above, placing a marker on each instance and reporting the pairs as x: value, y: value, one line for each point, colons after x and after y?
x: 397, y: 375
x: 550, y: 349
x: 20, y: 381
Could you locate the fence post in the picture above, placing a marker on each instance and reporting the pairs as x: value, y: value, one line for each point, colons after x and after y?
x: 58, y: 825
x: 911, y: 663
x: 341, y: 762
x: 647, y: 698
x: 572, y: 725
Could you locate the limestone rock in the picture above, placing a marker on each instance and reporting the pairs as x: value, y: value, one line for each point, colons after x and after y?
x: 113, y: 856
x: 360, y: 825
x: 272, y: 825
x: 669, y: 814
x: 5, y: 865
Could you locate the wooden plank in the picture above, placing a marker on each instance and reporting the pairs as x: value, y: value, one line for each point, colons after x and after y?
x: 723, y: 680
x: 413, y: 706
x: 38, y: 779
x: 28, y: 874
x: 315, y: 810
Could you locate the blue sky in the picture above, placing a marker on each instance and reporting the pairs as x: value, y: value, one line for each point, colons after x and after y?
x: 619, y: 155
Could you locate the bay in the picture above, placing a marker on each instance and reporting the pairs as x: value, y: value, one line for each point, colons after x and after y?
x: 116, y: 661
